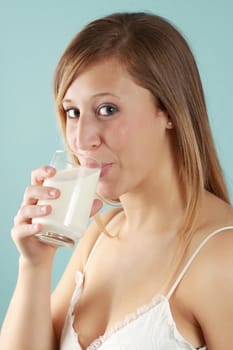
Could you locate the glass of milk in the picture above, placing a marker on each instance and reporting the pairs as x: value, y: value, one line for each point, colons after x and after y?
x: 70, y: 212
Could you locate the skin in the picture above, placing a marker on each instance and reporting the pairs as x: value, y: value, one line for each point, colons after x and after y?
x: 118, y: 122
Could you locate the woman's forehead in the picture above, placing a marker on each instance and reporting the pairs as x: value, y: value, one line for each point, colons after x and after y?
x: 107, y: 77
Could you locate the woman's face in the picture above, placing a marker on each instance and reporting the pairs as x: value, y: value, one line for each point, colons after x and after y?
x: 111, y: 118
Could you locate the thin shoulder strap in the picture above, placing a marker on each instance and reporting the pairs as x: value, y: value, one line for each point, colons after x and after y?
x: 181, y: 275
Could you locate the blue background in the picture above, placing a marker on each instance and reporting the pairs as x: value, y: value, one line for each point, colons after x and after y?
x: 32, y: 37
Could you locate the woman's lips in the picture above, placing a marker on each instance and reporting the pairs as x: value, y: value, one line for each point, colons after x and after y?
x: 91, y: 162
x: 105, y: 168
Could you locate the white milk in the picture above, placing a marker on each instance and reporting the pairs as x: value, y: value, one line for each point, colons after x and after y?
x: 70, y: 212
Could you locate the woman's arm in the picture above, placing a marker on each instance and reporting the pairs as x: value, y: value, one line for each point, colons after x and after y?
x: 32, y: 323
x: 28, y: 322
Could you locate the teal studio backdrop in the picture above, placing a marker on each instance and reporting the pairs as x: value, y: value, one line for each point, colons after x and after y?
x: 33, y: 34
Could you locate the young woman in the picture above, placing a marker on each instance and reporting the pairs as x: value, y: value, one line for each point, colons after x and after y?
x: 159, y: 275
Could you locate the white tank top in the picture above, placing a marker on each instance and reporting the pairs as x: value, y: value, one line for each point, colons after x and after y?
x: 151, y: 327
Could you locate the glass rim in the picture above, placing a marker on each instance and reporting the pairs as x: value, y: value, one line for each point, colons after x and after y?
x: 72, y: 159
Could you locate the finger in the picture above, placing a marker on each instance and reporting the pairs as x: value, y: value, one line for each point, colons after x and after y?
x: 33, y: 193
x: 39, y: 175
x: 28, y: 212
x: 97, y: 205
x: 25, y: 230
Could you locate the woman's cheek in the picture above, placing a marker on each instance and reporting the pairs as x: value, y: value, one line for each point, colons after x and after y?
x: 120, y: 137
x: 70, y: 137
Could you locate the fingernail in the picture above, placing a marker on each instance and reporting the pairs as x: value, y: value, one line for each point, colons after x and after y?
x: 48, y: 170
x: 43, y: 209
x: 52, y: 193
x: 35, y: 227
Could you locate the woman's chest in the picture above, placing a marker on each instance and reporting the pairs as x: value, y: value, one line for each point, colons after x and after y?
x: 149, y: 327
x: 106, y: 300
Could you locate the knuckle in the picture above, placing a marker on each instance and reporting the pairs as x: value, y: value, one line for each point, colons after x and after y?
x: 27, y: 191
x: 34, y: 175
x: 15, y: 220
x: 25, y: 212
x: 13, y: 233
x: 30, y: 195
x: 17, y: 216
x: 40, y: 174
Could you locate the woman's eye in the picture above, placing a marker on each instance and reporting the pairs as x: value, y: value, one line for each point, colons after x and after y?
x: 72, y: 113
x: 107, y: 110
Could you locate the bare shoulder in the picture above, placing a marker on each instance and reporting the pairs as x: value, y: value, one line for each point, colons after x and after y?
x: 216, y: 212
x: 63, y: 292
x: 211, y: 278
x: 216, y: 235
x: 205, y: 293
x: 216, y: 256
x: 215, y: 301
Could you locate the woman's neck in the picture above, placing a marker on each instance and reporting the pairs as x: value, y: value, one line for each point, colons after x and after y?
x: 157, y: 206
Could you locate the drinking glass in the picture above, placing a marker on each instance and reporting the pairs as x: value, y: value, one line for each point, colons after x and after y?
x: 71, y: 211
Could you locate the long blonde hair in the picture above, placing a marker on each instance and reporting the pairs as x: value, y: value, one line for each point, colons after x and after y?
x: 159, y: 59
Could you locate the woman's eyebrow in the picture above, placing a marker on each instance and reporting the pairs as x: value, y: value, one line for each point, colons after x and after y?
x: 67, y: 100
x: 105, y: 94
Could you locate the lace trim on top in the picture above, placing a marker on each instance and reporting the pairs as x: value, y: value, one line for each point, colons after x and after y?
x: 126, y: 320
x: 140, y: 311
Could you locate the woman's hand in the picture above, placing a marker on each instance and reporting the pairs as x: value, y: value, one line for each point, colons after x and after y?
x: 23, y: 232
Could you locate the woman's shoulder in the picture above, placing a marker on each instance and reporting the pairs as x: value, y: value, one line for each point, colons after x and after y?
x: 215, y: 221
x: 214, y: 239
x: 210, y: 274
x: 207, y: 287
x: 212, y: 287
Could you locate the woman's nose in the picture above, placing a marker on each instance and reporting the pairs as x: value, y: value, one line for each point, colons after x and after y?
x: 87, y: 133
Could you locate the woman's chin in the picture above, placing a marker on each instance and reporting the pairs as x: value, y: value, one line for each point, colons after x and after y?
x: 107, y: 194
